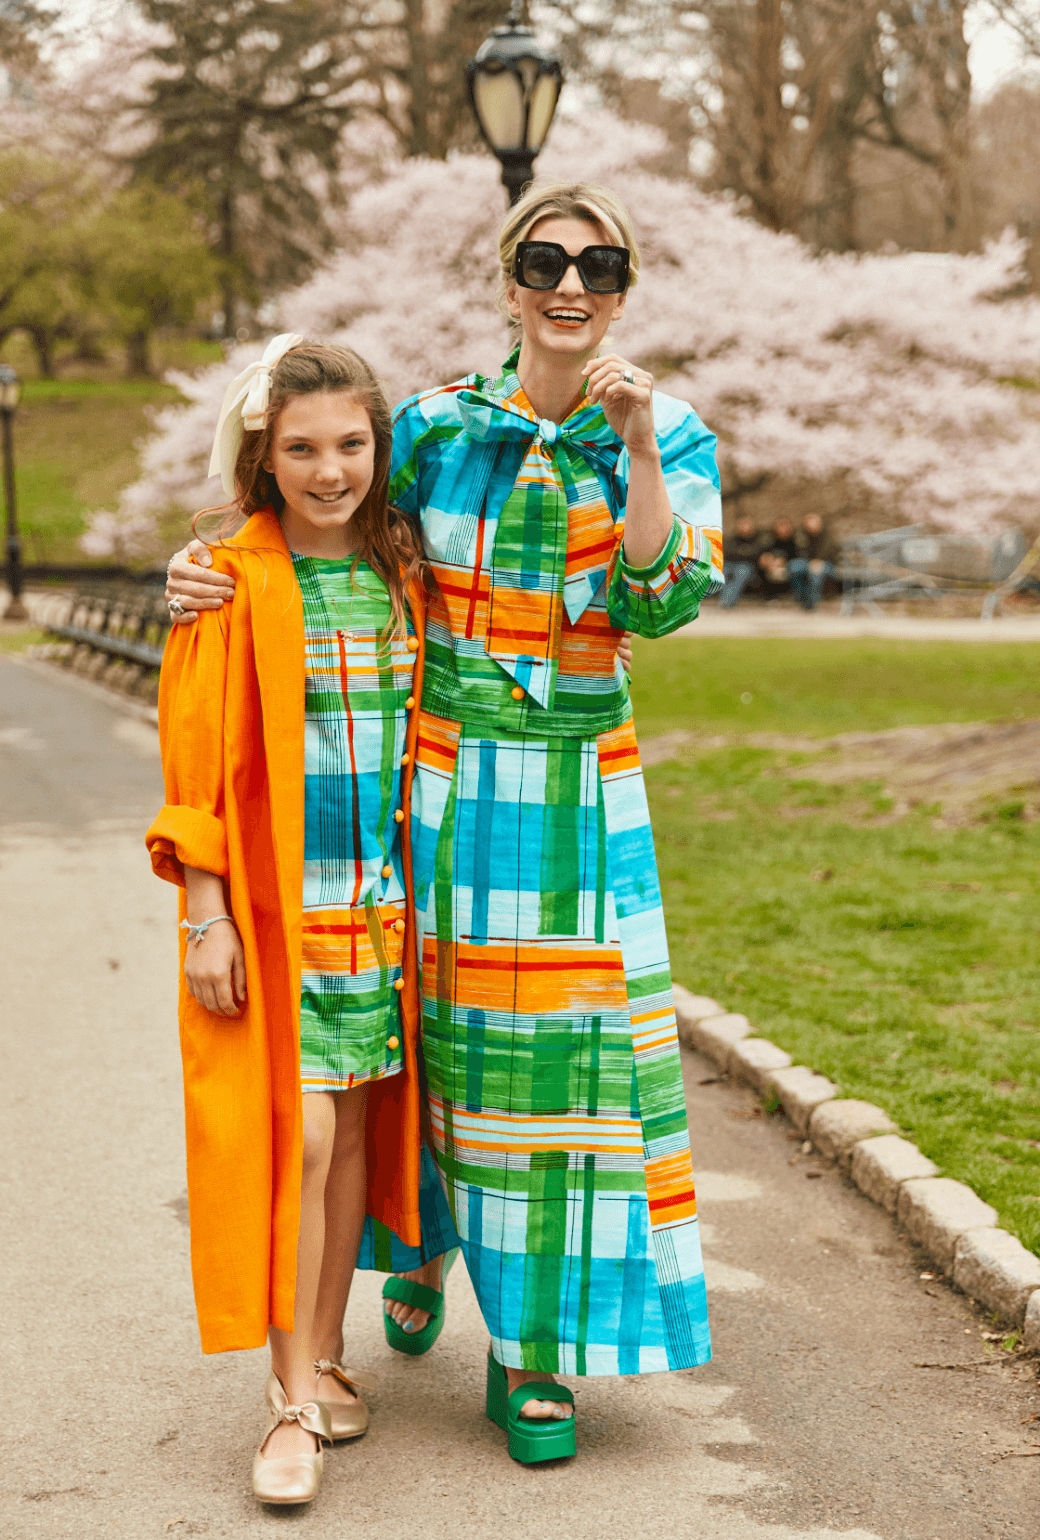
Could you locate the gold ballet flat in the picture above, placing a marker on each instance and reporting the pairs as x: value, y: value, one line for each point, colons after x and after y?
x: 291, y: 1478
x: 348, y: 1419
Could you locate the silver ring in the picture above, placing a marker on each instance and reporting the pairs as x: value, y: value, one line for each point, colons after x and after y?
x: 628, y: 377
x: 175, y: 607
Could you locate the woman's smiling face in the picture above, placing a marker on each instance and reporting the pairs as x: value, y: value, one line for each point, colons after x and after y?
x: 567, y: 319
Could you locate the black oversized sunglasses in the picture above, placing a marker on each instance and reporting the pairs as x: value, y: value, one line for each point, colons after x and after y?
x: 541, y: 265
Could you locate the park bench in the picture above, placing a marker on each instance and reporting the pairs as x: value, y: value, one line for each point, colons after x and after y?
x: 913, y: 561
x: 115, y: 632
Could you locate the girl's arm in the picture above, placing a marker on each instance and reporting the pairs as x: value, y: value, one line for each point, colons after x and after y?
x: 214, y: 965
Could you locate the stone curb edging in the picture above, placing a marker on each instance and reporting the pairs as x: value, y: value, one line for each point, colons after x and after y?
x: 946, y: 1219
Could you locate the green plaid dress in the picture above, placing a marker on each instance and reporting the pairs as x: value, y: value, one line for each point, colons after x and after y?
x: 353, y: 895
x: 555, y: 1090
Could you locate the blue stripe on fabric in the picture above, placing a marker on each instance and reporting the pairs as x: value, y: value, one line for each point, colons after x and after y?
x: 636, y: 1288
x: 483, y: 820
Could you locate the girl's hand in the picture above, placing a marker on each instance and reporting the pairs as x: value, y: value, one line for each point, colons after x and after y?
x: 629, y: 409
x: 624, y: 652
x: 215, y: 970
x: 196, y: 588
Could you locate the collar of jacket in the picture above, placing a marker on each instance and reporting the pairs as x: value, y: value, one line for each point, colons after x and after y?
x: 263, y: 533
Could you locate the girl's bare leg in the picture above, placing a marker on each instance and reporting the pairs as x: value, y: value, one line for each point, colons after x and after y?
x: 344, y: 1221
x: 292, y: 1353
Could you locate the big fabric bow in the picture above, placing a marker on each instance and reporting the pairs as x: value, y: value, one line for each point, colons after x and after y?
x: 245, y: 407
x: 536, y: 572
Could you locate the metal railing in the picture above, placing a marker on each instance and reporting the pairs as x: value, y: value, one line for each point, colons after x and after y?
x: 915, y: 562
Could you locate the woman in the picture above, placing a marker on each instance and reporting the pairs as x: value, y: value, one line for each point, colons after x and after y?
x: 560, y: 504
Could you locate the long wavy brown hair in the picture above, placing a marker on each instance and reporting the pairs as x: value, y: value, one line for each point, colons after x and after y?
x: 387, y: 539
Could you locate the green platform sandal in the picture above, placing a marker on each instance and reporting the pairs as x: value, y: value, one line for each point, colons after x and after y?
x: 530, y: 1441
x: 407, y: 1292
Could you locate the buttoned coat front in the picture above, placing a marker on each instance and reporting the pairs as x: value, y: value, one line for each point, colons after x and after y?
x: 231, y: 720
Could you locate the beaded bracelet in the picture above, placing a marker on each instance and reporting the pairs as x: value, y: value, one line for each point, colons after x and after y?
x: 196, y: 932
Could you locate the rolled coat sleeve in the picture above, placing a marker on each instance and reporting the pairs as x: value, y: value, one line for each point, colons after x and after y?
x: 191, y: 830
x: 654, y: 600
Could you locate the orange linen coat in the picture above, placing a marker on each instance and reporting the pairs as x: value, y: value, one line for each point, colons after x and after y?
x: 231, y: 719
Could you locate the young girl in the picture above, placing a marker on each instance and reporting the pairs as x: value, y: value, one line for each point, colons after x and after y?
x: 288, y: 727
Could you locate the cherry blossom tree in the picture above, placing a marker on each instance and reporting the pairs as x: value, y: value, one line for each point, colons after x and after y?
x: 912, y: 377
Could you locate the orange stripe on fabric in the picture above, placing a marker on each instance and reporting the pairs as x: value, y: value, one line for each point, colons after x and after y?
x: 493, y: 978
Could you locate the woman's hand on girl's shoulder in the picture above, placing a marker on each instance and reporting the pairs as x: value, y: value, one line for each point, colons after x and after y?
x: 215, y: 970
x: 191, y: 585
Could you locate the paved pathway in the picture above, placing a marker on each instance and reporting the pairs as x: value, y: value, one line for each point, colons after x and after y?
x: 811, y: 1422
x: 775, y: 619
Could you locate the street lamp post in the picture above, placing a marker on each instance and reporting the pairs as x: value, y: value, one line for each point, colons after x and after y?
x: 10, y: 390
x: 514, y: 86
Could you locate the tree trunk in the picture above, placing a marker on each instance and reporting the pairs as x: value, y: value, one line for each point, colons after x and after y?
x: 768, y: 111
x: 227, y: 252
x: 43, y: 346
x: 138, y: 357
x: 836, y: 207
x: 418, y: 78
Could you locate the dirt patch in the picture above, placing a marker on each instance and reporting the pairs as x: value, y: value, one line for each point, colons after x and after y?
x: 967, y: 771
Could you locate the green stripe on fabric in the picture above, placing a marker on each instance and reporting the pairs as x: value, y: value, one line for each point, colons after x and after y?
x: 588, y: 1209
x: 561, y: 867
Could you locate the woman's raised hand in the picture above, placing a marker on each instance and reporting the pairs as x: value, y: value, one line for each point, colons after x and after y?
x: 628, y: 407
x: 215, y: 970
x: 192, y: 586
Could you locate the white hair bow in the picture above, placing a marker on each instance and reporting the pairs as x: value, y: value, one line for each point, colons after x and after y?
x: 245, y: 407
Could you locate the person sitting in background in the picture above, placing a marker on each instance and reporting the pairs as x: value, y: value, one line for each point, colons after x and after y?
x: 815, y: 562
x: 741, y: 551
x: 781, y: 550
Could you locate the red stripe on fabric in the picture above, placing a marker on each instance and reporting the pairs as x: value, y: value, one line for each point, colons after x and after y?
x: 475, y: 588
x: 355, y: 808
x: 673, y: 1202
x: 509, y: 965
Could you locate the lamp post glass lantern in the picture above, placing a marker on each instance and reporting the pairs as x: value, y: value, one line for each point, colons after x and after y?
x: 514, y: 86
x: 10, y: 391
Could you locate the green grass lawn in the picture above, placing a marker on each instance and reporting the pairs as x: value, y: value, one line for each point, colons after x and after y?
x: 901, y: 960
x: 805, y: 686
x: 76, y: 442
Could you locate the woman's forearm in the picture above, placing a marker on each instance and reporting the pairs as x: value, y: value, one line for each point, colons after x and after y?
x: 648, y: 511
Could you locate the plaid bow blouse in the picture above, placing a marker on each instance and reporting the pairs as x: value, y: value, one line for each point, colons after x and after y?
x: 522, y: 522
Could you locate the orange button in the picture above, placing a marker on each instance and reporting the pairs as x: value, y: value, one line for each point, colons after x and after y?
x: 406, y: 759
x: 409, y: 703
x: 388, y: 871
x: 392, y: 1043
x: 398, y: 983
x: 413, y: 644
x: 398, y: 816
x: 399, y: 927
x: 516, y: 692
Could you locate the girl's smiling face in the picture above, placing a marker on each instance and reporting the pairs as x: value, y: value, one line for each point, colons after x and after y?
x: 323, y: 459
x: 568, y: 319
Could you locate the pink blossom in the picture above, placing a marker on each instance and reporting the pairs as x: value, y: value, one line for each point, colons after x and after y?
x: 900, y: 372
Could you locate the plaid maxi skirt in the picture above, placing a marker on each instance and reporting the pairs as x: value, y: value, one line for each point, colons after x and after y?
x: 556, y: 1099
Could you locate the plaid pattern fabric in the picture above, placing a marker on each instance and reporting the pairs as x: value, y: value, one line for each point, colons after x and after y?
x: 522, y: 521
x: 555, y: 1090
x: 354, y: 732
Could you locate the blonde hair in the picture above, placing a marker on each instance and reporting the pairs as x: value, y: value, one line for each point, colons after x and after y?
x: 565, y: 200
